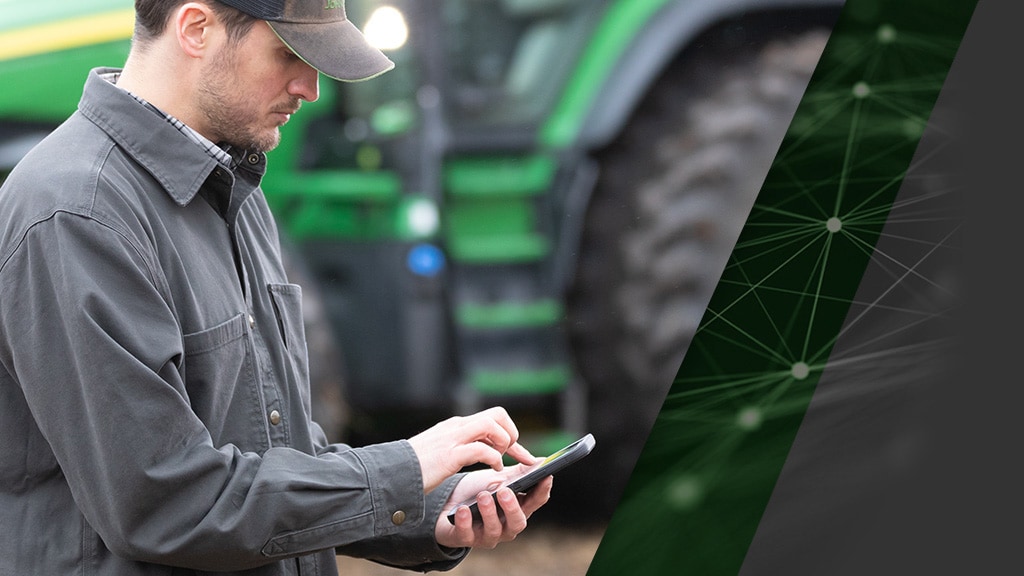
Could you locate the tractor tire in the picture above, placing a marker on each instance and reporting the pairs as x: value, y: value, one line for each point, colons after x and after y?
x: 674, y: 192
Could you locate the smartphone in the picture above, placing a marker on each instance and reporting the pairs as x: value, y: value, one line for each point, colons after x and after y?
x: 522, y: 484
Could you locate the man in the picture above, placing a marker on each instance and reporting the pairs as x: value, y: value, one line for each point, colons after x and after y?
x: 152, y: 358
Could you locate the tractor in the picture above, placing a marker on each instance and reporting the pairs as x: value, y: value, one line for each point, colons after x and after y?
x: 531, y: 210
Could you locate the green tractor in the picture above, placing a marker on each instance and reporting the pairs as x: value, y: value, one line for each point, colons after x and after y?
x: 531, y: 210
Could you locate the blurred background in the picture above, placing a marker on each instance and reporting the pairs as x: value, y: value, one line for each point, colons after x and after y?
x: 531, y: 210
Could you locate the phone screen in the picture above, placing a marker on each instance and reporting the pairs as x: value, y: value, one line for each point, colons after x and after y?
x: 550, y: 465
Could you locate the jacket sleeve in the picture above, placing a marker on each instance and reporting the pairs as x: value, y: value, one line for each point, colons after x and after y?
x: 415, y: 549
x: 89, y: 334
x: 419, y: 548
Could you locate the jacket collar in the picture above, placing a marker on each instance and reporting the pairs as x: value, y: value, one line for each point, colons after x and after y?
x: 180, y: 165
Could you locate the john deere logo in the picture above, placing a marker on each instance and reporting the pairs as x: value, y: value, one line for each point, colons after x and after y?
x: 333, y: 4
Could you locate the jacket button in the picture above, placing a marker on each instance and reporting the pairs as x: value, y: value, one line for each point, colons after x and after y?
x: 252, y: 321
x: 275, y: 417
x: 398, y: 518
x: 254, y: 159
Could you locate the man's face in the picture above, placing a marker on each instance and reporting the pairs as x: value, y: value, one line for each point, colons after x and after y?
x: 249, y: 89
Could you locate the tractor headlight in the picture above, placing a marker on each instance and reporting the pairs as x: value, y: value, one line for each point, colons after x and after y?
x: 386, y: 28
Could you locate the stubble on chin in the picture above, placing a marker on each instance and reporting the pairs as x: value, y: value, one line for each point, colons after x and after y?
x: 262, y: 143
x: 233, y: 119
x: 242, y: 130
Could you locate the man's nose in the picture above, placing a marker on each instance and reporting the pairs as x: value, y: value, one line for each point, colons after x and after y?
x: 306, y: 85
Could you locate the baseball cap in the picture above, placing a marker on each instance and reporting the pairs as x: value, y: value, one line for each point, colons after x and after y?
x: 319, y: 32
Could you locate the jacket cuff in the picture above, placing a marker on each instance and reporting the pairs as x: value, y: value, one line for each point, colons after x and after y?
x: 396, y: 486
x: 415, y: 548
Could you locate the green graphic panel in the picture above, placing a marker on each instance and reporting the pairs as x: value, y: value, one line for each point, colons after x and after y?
x: 704, y: 478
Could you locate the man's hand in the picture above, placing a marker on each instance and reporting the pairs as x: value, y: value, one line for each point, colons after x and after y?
x: 494, y: 529
x: 447, y: 447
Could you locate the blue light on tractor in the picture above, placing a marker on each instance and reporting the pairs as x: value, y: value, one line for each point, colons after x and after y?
x: 425, y: 260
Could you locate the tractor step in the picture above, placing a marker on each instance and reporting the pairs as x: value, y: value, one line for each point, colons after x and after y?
x: 545, y: 380
x: 505, y: 315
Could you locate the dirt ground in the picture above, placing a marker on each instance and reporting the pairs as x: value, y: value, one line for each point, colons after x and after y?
x: 539, y: 551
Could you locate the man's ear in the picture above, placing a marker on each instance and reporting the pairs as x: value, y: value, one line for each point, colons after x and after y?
x: 193, y: 25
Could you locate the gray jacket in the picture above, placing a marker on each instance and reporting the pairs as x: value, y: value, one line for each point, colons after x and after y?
x: 153, y: 373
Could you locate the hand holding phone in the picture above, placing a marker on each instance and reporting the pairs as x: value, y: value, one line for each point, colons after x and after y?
x: 524, y: 483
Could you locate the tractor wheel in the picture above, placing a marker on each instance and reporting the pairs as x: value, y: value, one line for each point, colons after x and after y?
x: 675, y: 189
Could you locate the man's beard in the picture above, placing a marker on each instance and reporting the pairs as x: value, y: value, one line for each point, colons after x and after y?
x: 234, y: 118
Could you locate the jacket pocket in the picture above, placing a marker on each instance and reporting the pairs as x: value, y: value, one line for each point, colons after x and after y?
x: 219, y: 336
x: 287, y: 299
x: 222, y: 387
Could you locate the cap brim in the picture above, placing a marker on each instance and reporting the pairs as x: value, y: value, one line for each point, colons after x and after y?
x: 337, y: 49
